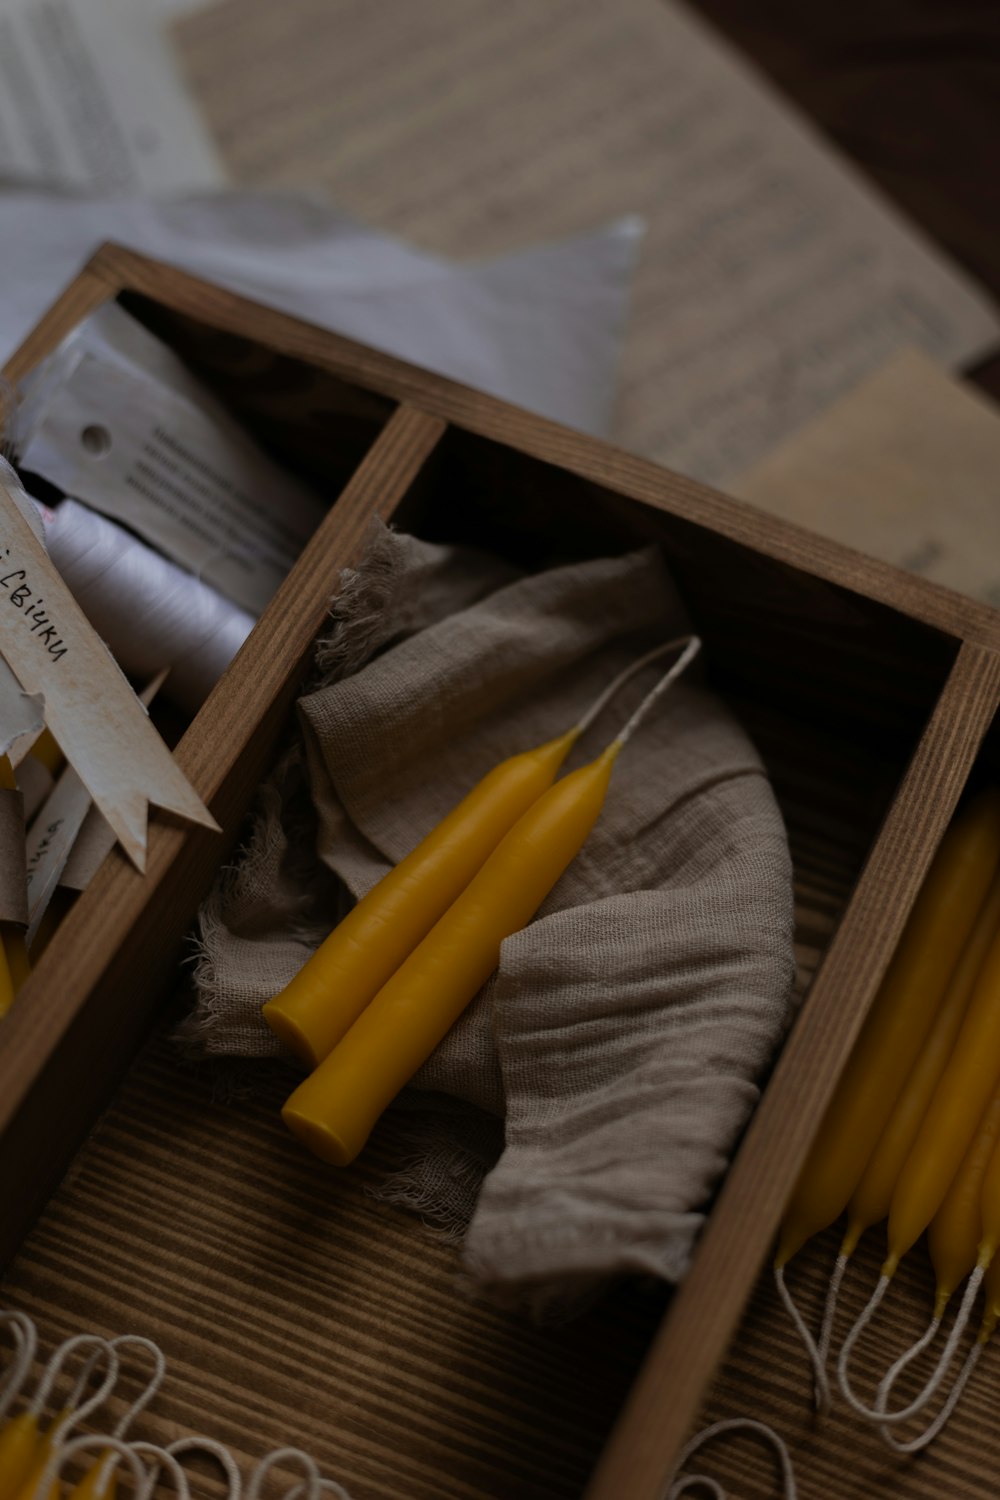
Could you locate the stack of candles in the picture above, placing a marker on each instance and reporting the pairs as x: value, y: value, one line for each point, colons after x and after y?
x: 368, y: 1009
x: 912, y: 1135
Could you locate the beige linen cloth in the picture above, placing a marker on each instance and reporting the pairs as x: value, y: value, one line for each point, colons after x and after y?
x: 602, y: 1077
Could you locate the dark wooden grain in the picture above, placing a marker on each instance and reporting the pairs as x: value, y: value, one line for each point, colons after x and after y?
x: 706, y: 1311
x: 294, y: 1309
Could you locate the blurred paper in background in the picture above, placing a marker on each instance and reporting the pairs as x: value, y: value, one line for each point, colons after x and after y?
x: 90, y: 96
x: 905, y: 468
x: 773, y: 277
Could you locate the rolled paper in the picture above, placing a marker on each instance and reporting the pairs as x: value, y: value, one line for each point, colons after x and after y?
x: 322, y: 1002
x: 334, y: 1110
x: 150, y: 612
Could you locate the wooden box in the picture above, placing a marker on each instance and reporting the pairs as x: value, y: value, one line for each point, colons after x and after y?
x: 291, y: 1306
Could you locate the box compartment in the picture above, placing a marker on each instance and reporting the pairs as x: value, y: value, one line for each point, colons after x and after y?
x: 291, y: 1306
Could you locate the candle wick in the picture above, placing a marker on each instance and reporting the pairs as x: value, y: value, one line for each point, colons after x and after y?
x: 601, y: 703
x: 683, y: 661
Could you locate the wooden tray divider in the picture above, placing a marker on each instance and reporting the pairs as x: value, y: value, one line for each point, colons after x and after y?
x: 225, y: 754
x: 706, y: 1310
x: 590, y: 459
x: 95, y: 285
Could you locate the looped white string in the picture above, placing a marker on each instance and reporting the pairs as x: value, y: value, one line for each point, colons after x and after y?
x: 76, y: 1414
x: 25, y: 1347
x: 79, y: 1445
x: 822, y: 1393
x: 326, y: 1486
x: 954, y: 1396
x: 906, y: 1358
x: 113, y: 1448
x: 676, y: 1487
x: 601, y: 703
x: 883, y: 1418
x: 161, y: 1458
x: 821, y: 1384
x: 136, y: 1341
x: 683, y: 661
x: 698, y: 1482
x: 311, y: 1484
x: 219, y: 1452
x: 126, y: 1340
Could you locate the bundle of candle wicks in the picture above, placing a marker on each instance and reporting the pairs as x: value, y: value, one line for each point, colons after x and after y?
x: 38, y: 1450
x: 913, y: 1132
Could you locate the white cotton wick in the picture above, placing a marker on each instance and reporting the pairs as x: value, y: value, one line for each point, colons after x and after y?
x: 151, y: 613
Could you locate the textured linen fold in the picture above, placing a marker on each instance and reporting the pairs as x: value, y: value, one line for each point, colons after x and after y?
x: 602, y: 1076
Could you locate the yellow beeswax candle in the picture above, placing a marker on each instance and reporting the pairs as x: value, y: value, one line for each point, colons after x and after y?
x: 334, y: 1110
x: 873, y: 1194
x: 19, y: 1443
x: 991, y: 1305
x: 989, y: 1210
x: 100, y: 1481
x: 898, y: 1022
x: 43, y: 1452
x: 331, y: 990
x: 956, y: 1230
x: 955, y: 1110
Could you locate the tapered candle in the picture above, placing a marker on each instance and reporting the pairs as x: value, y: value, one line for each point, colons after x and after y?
x: 955, y: 1110
x: 100, y: 1482
x: 898, y: 1023
x: 334, y: 1110
x: 872, y: 1197
x: 956, y: 1230
x: 330, y: 991
x: 991, y: 1305
x: 19, y: 1445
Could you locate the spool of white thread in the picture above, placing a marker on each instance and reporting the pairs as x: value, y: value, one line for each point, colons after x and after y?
x: 151, y: 613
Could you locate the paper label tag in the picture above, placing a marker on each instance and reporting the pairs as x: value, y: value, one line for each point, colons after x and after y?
x: 99, y: 723
x: 22, y: 717
x: 117, y: 421
x: 96, y: 838
x: 52, y: 836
